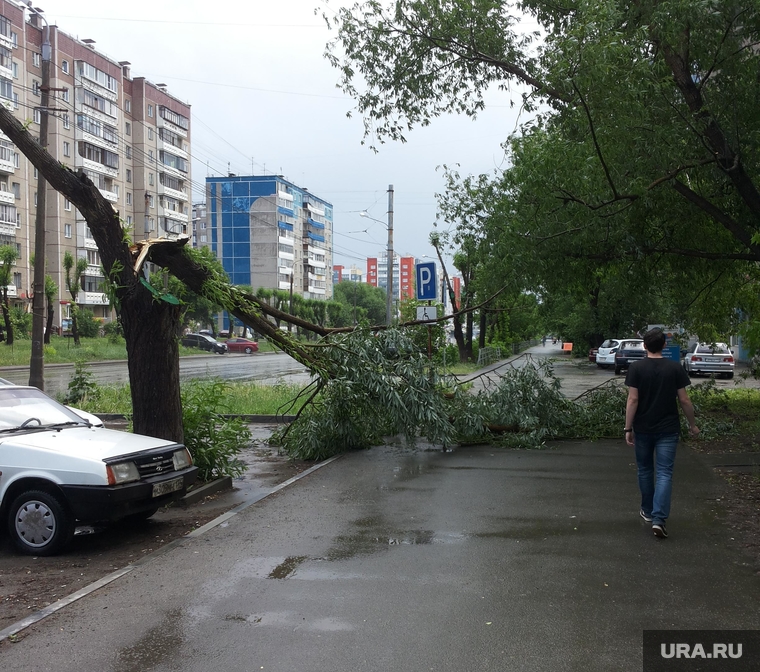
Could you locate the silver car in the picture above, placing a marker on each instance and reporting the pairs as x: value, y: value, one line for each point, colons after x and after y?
x: 709, y: 358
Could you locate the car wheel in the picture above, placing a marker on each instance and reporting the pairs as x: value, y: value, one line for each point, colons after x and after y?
x: 39, y: 523
x: 248, y: 350
x: 618, y: 370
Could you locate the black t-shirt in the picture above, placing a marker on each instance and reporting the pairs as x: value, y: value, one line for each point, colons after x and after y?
x: 658, y: 381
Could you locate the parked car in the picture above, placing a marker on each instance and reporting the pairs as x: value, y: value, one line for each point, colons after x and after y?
x: 57, y: 471
x: 628, y: 351
x: 94, y: 420
x: 709, y: 358
x: 242, y: 345
x: 204, y: 342
x: 592, y: 354
x: 605, y: 355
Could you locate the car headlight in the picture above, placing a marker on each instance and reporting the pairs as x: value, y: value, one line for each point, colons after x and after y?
x: 182, y: 459
x: 122, y: 472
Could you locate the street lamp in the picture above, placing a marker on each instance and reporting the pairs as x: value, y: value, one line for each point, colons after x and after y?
x: 36, y: 361
x: 389, y: 297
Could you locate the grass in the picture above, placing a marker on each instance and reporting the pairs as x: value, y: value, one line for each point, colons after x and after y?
x: 239, y: 398
x: 63, y: 351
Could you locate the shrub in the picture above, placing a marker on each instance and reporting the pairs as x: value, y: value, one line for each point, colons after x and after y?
x: 87, y: 325
x: 213, y: 440
x: 81, y: 386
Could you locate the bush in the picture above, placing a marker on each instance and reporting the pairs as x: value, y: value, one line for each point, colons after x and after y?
x: 87, y: 325
x: 112, y: 330
x: 213, y: 440
x: 22, y: 323
x: 81, y: 386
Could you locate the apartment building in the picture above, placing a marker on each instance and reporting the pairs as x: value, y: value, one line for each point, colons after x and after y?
x: 403, y: 274
x: 130, y: 136
x: 268, y: 232
x: 343, y: 274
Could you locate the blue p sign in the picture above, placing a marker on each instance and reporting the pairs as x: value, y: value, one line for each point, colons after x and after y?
x: 426, y: 281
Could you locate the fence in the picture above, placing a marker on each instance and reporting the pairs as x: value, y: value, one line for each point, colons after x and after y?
x: 488, y: 356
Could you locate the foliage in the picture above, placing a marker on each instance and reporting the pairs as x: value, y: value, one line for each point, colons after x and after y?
x: 81, y: 386
x: 22, y: 322
x: 89, y: 326
x: 370, y: 386
x: 113, y: 331
x: 213, y: 441
x: 369, y: 303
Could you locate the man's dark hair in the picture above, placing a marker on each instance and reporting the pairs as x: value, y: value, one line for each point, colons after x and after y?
x: 654, y: 340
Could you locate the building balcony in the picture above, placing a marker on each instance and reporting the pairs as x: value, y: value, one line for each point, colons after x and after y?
x: 12, y: 291
x: 163, y: 123
x: 179, y: 216
x: 109, y: 195
x: 88, y: 164
x: 317, y: 290
x: 283, y: 285
x: 7, y: 197
x: 7, y: 228
x: 95, y: 87
x: 81, y: 134
x: 8, y: 104
x: 7, y: 166
x: 90, y: 244
x: 173, y: 149
x: 92, y: 298
x: 172, y: 193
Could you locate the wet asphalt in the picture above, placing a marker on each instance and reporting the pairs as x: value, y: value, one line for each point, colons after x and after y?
x: 479, y: 559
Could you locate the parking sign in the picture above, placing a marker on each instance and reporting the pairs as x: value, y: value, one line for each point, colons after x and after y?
x: 426, y: 281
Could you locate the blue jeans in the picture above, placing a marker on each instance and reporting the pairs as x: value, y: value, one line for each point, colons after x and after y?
x: 659, y: 449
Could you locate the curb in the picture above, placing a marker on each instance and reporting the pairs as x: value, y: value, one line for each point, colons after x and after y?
x: 12, y: 630
x: 212, y: 487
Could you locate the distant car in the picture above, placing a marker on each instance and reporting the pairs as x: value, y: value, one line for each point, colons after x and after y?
x: 709, y: 358
x: 57, y: 471
x: 628, y: 351
x: 242, y: 345
x: 605, y: 355
x: 592, y: 354
x: 225, y: 333
x: 204, y: 342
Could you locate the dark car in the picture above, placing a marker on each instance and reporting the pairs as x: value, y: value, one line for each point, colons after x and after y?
x: 628, y: 352
x: 242, y: 345
x: 204, y: 342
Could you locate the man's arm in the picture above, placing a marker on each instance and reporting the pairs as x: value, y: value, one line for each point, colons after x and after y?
x: 631, y: 405
x: 688, y: 410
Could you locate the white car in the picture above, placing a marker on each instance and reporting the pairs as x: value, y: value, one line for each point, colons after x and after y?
x: 709, y: 358
x: 605, y: 355
x: 58, y: 471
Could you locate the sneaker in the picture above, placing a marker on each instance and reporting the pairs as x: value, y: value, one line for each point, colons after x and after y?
x: 659, y: 531
x: 645, y: 516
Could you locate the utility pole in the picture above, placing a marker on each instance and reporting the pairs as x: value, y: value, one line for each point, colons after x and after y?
x: 37, y: 361
x: 389, y: 298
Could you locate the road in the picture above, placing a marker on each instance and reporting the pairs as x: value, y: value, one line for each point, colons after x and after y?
x: 475, y: 560
x: 268, y: 367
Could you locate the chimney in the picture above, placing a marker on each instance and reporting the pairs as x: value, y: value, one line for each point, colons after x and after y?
x: 90, y: 43
x: 162, y: 87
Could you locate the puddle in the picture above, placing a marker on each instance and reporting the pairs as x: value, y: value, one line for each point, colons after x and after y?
x: 287, y: 567
x: 156, y: 647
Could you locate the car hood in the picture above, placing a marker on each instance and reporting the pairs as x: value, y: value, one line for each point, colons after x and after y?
x: 96, y: 443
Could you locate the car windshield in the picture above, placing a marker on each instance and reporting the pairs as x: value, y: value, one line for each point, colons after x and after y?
x: 714, y: 348
x: 609, y: 343
x: 19, y: 405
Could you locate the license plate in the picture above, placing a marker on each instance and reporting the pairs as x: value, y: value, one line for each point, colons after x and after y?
x: 168, y: 486
x: 712, y: 359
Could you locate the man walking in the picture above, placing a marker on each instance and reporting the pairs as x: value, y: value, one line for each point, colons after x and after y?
x: 653, y: 426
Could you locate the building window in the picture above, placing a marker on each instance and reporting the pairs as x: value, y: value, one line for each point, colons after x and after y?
x: 16, y: 159
x: 35, y: 87
x: 150, y: 110
x: 66, y: 122
x: 15, y: 100
x: 127, y: 128
x: 67, y: 204
x: 65, y: 67
x: 129, y: 198
x: 129, y: 220
x: 16, y: 189
x: 150, y: 179
x: 67, y: 230
x: 36, y: 174
x: 151, y: 202
x: 15, y: 70
x: 36, y: 59
x: 150, y: 133
x: 17, y: 281
x: 14, y: 38
x: 66, y: 148
x: 127, y: 105
x: 35, y: 199
x: 65, y: 95
x: 128, y: 151
x: 37, y: 117
x: 129, y: 175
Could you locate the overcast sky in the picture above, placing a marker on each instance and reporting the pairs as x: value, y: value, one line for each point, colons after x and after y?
x: 264, y: 101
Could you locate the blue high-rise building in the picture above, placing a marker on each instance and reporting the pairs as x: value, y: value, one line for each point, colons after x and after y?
x: 268, y: 232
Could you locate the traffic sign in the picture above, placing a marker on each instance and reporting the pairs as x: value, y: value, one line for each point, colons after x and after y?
x: 426, y: 281
x: 426, y: 313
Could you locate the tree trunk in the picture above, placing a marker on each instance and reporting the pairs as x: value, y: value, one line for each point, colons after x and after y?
x: 49, y: 323
x: 7, y: 319
x: 74, y: 325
